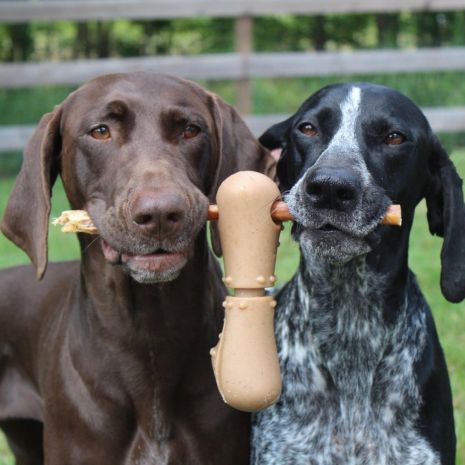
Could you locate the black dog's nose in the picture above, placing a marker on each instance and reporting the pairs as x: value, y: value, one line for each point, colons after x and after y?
x: 333, y: 188
x: 158, y: 214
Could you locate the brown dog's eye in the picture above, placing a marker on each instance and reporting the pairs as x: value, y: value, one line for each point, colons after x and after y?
x: 394, y: 138
x: 101, y: 132
x: 308, y: 129
x: 190, y: 131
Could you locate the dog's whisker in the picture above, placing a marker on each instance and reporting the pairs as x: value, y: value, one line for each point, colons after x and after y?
x: 92, y: 243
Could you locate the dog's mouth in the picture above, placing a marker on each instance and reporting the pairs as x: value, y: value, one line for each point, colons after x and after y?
x: 371, y: 237
x: 161, y: 265
x: 342, y: 232
x: 328, y: 228
x: 333, y: 240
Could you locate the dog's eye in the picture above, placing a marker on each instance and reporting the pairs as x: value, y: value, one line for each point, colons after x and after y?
x: 394, y: 138
x: 101, y: 132
x: 308, y: 129
x: 190, y: 131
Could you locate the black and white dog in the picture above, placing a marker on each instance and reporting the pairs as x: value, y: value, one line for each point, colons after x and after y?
x: 364, y: 376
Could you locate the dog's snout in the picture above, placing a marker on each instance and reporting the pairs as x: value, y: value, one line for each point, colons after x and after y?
x: 333, y: 189
x: 158, y: 214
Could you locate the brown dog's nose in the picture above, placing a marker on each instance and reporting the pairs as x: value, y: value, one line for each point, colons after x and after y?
x: 158, y: 214
x: 334, y: 189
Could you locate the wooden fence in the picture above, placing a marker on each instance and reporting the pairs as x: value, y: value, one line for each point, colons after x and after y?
x: 243, y: 64
x: 52, y: 10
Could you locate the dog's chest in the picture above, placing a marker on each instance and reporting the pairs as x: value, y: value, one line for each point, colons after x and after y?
x: 349, y: 391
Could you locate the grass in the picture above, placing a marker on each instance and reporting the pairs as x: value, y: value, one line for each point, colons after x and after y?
x: 424, y: 260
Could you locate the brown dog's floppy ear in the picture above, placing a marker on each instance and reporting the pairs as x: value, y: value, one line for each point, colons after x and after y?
x: 446, y: 218
x: 26, y: 216
x: 237, y: 150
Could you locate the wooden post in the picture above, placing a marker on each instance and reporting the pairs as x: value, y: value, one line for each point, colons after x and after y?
x: 243, y: 45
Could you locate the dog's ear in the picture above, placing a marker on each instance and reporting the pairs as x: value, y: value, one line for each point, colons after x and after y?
x: 25, y: 221
x: 275, y: 138
x: 236, y: 150
x: 446, y: 218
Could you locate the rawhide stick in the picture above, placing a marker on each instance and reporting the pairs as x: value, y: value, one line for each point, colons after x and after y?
x: 280, y: 212
x: 79, y: 220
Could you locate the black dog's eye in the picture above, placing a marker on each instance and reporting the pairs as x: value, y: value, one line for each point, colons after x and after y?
x: 394, y: 138
x: 101, y: 132
x: 191, y: 131
x: 308, y: 129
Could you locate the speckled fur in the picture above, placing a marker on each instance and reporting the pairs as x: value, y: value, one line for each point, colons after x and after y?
x: 349, y: 391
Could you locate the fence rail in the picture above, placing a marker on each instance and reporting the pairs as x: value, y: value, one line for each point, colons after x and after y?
x: 83, y: 10
x: 240, y: 66
x: 442, y: 119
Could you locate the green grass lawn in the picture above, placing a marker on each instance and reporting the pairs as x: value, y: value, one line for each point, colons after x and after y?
x: 424, y: 259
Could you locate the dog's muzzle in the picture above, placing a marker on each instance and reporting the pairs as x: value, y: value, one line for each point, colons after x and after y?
x: 336, y: 213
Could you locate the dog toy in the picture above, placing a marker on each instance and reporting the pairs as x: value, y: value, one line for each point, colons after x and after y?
x: 245, y: 360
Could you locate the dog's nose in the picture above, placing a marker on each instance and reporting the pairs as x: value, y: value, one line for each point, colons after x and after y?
x: 158, y: 214
x: 334, y: 189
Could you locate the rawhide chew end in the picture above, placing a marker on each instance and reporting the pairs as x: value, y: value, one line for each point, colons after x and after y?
x: 393, y: 216
x: 75, y: 221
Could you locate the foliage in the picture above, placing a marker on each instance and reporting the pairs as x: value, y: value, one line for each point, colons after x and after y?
x: 96, y: 39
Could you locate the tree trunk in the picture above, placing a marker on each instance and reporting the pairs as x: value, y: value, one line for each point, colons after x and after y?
x: 319, y: 36
x: 103, y: 39
x: 82, y: 46
x: 388, y: 26
x: 22, y: 42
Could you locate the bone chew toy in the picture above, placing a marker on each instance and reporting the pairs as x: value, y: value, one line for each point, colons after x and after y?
x: 79, y: 220
x: 245, y: 360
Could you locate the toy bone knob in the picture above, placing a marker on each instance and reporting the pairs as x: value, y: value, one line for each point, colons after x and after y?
x: 245, y: 360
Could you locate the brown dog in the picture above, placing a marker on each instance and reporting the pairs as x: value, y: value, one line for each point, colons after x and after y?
x: 108, y: 359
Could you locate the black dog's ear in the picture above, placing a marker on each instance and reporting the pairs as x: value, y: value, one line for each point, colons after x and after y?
x: 236, y: 150
x: 275, y: 138
x: 446, y: 218
x: 26, y: 216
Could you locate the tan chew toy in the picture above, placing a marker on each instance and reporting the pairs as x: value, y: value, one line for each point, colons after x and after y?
x: 245, y: 360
